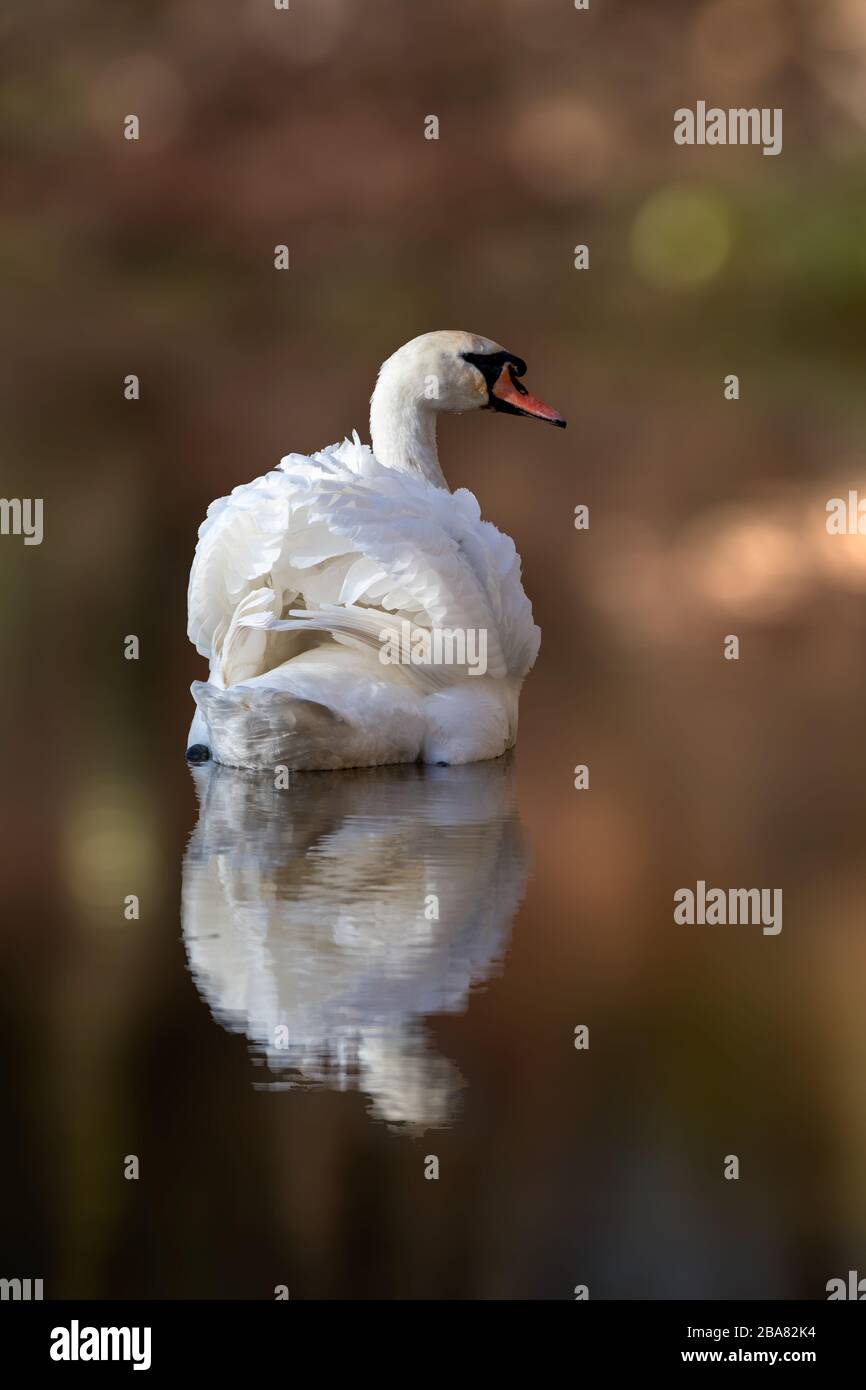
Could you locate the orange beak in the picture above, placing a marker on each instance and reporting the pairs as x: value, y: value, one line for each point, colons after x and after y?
x: 518, y: 401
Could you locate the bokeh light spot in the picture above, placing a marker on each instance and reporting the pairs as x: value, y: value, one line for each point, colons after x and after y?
x: 109, y: 849
x: 681, y: 238
x: 561, y: 147
x: 741, y: 41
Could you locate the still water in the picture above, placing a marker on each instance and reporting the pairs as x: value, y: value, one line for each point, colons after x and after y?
x: 328, y: 986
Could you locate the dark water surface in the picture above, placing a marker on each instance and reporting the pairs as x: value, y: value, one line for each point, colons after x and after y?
x: 287, y: 1033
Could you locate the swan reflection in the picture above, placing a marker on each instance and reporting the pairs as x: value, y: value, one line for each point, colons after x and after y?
x: 326, y: 920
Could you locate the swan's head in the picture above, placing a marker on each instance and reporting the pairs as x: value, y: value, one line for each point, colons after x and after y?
x: 455, y: 371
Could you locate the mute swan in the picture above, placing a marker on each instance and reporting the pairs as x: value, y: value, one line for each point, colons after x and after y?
x: 354, y: 610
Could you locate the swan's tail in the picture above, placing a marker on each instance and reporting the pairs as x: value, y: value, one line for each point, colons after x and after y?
x: 329, y: 708
x: 258, y: 728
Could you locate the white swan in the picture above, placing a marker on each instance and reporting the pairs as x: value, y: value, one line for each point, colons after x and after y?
x: 353, y: 610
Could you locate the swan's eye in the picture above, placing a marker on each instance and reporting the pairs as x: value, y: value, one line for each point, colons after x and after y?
x: 490, y: 365
x: 518, y: 385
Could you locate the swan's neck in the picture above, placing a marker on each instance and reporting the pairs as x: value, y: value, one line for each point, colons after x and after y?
x: 403, y: 426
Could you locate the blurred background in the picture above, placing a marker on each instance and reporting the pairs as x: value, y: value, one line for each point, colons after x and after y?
x: 707, y: 517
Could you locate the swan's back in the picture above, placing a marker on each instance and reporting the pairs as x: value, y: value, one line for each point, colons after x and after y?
x: 337, y: 530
